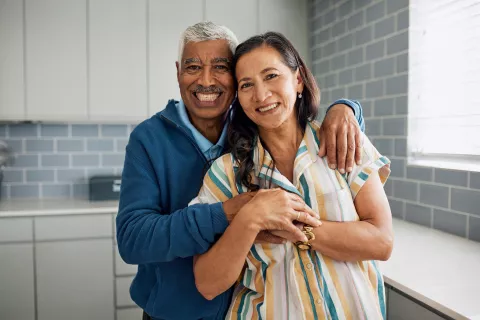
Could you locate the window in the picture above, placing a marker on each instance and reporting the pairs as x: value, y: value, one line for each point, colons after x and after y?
x: 444, y: 84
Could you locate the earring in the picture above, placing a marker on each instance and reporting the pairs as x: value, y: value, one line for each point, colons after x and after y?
x: 299, y: 96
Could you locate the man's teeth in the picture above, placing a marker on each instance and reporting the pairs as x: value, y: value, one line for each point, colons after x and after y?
x: 269, y: 107
x: 207, y: 97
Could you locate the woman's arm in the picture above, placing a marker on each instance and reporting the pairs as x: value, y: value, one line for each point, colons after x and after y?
x: 371, y: 238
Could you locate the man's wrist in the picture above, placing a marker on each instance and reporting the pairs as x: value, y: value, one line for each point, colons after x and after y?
x: 344, y: 102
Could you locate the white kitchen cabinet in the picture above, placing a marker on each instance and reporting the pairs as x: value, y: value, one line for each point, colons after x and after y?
x: 167, y: 20
x: 117, y: 67
x: 56, y: 59
x: 242, y: 18
x: 12, y: 102
x: 401, y: 308
x: 17, y: 288
x: 129, y: 314
x: 75, y: 280
x: 289, y: 18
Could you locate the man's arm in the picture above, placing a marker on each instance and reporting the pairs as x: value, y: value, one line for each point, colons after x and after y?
x: 340, y: 134
x: 146, y: 233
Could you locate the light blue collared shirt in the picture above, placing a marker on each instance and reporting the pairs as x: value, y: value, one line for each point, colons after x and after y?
x: 210, y: 151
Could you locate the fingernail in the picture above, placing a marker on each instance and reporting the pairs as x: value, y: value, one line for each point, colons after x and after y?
x: 342, y: 171
x: 349, y: 169
x: 332, y: 166
x: 359, y: 162
x: 304, y: 239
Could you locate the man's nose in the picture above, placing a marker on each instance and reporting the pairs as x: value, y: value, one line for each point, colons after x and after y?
x: 206, y: 78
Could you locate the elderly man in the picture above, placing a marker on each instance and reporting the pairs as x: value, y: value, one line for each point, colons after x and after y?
x: 166, y: 159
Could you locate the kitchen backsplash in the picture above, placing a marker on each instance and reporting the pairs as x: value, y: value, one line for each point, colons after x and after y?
x: 56, y: 160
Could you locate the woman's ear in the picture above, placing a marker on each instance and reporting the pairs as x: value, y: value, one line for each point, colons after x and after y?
x: 299, y: 81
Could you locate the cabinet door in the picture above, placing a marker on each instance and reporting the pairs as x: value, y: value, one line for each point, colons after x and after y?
x: 402, y: 308
x: 12, y: 103
x: 75, y: 280
x: 56, y: 59
x: 167, y: 21
x: 17, y: 293
x: 240, y: 17
x: 117, y: 60
x: 289, y: 18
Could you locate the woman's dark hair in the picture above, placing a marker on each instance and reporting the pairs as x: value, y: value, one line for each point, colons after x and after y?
x: 243, y: 132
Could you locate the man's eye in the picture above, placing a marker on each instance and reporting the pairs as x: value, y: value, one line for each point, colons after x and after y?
x: 222, y: 68
x: 193, y: 68
x: 271, y: 76
x: 245, y: 85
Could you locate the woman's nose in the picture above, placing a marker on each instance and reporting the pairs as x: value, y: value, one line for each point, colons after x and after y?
x: 261, y: 93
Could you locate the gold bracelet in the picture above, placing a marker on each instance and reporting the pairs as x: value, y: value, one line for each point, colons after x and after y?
x: 305, y: 245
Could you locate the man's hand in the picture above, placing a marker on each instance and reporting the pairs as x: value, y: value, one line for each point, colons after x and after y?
x: 340, y: 138
x: 232, y: 206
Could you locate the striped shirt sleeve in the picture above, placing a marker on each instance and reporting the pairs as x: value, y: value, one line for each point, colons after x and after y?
x: 371, y: 161
x: 216, y: 183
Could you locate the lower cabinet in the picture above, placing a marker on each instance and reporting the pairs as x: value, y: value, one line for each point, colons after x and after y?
x: 75, y: 280
x: 17, y: 285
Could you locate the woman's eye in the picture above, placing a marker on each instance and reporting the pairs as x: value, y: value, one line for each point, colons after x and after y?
x: 245, y: 85
x: 271, y: 76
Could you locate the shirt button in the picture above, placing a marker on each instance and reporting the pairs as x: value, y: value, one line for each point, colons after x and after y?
x: 309, y: 266
x: 319, y: 301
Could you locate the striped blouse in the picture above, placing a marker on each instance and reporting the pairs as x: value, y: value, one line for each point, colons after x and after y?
x: 279, y: 280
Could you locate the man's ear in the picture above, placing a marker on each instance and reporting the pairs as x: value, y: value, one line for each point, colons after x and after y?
x: 178, y: 70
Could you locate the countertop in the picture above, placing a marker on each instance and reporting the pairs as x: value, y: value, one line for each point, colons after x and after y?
x: 436, y: 268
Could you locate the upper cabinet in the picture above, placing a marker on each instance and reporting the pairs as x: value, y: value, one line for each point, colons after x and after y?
x: 114, y: 61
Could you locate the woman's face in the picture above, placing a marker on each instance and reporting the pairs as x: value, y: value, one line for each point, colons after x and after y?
x: 267, y: 88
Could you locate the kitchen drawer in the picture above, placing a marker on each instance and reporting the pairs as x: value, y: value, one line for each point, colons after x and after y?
x: 16, y: 229
x: 73, y: 227
x: 129, y: 314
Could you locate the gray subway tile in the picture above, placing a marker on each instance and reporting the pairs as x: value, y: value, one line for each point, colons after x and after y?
x: 452, y: 177
x: 56, y: 191
x: 374, y: 89
x: 475, y: 180
x: 385, y: 27
x: 317, y: 23
x: 419, y: 173
x: 338, y: 93
x: 55, y: 160
x: 397, y: 85
x: 114, y: 130
x: 373, y: 127
x: 394, y: 126
x: 355, y: 92
x: 388, y: 187
x: 466, y: 201
x: 397, y: 43
x: 331, y: 80
x: 70, y: 175
x: 384, y: 67
x: 474, y: 228
x: 396, y: 5
x: 345, y: 42
x: 434, y: 195
x: 403, y: 20
x: 25, y: 161
x: 80, y: 191
x: 15, y: 145
x: 328, y: 50
x: 418, y: 214
x: 100, y: 172
x: 384, y: 146
x: 375, y: 11
x: 401, y: 147
x: 339, y: 61
x: 363, y: 72
x: 324, y: 36
x: 54, y: 130
x: 339, y: 28
x: 375, y: 50
x: 40, y: 175
x: 12, y: 175
x: 70, y: 145
x: 100, y: 145
x: 3, y: 130
x: 355, y: 21
x: 113, y: 160
x: 24, y: 191
x: 121, y: 144
x: 23, y: 130
x: 405, y: 190
x: 402, y: 63
x: 346, y: 8
x: 367, y: 106
x: 450, y: 222
x: 329, y: 17
x: 85, y: 130
x: 317, y: 54
x: 397, y: 207
x: 363, y: 35
x: 397, y: 168
x: 401, y: 105
x: 355, y: 57
x: 321, y: 67
x: 361, y: 3
x: 384, y: 107
x: 86, y: 160
x: 345, y: 77
x: 38, y: 145
x: 5, y: 192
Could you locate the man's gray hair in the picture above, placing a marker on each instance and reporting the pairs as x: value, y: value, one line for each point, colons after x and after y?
x: 204, y: 31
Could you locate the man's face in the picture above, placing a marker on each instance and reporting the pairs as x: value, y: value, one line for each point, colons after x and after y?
x: 205, y: 79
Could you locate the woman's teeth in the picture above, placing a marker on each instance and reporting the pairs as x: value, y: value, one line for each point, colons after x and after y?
x: 269, y: 107
x: 207, y: 97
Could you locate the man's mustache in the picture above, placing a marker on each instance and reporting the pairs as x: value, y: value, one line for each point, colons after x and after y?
x: 211, y: 89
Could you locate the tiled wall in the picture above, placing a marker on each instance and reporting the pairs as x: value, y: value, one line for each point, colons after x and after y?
x: 360, y: 50
x: 56, y: 160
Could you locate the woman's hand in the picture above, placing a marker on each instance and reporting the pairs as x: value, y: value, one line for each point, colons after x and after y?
x: 276, y: 209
